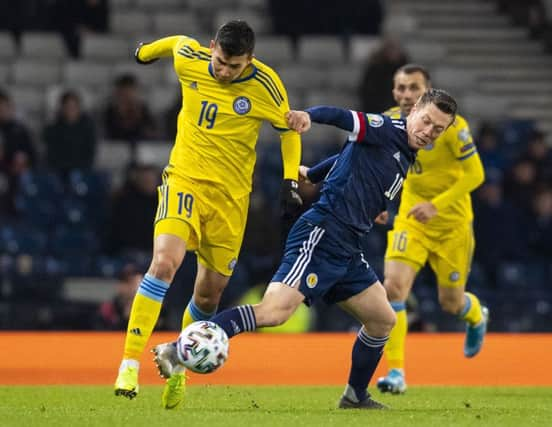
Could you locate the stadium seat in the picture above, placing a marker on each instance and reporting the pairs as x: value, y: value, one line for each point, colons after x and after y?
x: 8, y: 49
x: 344, y: 77
x: 158, y: 4
x: 361, y: 47
x: 348, y: 100
x: 303, y: 76
x: 35, y: 72
x: 22, y: 239
x: 150, y: 76
x: 154, y: 153
x: 105, y: 47
x: 38, y: 198
x: 112, y: 157
x: 258, y: 21
x: 86, y: 73
x: 176, y: 23
x: 5, y: 73
x: 42, y: 45
x: 426, y: 51
x: 321, y: 50
x: 30, y: 99
x: 65, y: 241
x: 274, y: 50
x: 161, y: 97
x: 130, y: 22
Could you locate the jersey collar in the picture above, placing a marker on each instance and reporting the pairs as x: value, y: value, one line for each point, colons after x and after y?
x: 252, y: 73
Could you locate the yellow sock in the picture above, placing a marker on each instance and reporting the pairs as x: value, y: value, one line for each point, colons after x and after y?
x: 143, y: 316
x: 471, y: 312
x: 394, y: 348
x: 193, y: 313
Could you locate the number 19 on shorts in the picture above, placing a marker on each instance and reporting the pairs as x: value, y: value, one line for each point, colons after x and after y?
x: 185, y: 203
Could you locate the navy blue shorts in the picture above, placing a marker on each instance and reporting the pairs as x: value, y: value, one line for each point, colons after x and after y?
x: 322, y: 267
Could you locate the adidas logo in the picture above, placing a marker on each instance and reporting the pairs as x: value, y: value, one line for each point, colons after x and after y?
x: 193, y: 85
x: 235, y: 327
x: 397, y: 156
x: 136, y: 331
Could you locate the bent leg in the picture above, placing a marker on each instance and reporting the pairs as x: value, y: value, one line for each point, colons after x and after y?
x: 168, y: 253
x: 373, y: 310
x: 208, y: 288
x: 278, y: 304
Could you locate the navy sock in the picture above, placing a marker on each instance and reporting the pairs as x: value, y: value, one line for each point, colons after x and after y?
x: 236, y: 320
x: 366, y: 355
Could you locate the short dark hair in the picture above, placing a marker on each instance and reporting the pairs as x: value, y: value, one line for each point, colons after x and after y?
x: 236, y: 38
x: 441, y: 99
x: 414, y: 68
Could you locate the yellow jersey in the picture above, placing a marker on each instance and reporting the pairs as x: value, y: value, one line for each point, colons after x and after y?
x: 219, y: 123
x: 437, y: 168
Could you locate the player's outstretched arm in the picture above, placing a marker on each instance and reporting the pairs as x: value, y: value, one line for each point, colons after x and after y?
x: 318, y: 172
x: 146, y: 53
x: 335, y: 116
x: 473, y: 177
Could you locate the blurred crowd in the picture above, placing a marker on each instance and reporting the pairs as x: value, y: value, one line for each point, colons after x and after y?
x: 62, y: 217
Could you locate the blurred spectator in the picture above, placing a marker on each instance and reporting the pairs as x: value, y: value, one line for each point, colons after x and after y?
x: 17, y: 153
x: 71, y: 139
x: 114, y: 314
x: 127, y: 116
x: 132, y: 211
x: 376, y: 93
x: 540, y: 232
x: 488, y: 147
x: 529, y: 13
x: 500, y: 228
x: 520, y: 183
x: 73, y: 18
x: 21, y: 15
x: 538, y: 151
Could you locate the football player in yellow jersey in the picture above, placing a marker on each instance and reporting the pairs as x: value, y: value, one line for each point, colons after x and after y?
x: 204, y: 197
x: 434, y: 224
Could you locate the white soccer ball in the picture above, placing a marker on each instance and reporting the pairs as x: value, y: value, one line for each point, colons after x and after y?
x: 202, y: 347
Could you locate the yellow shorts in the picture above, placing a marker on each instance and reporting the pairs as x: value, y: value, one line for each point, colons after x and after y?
x: 449, y: 254
x: 205, y: 216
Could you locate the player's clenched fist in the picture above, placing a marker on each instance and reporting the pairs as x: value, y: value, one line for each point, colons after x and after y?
x: 298, y: 120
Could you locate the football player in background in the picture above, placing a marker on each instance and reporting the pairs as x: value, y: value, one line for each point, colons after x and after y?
x: 325, y: 251
x: 204, y: 197
x: 434, y: 224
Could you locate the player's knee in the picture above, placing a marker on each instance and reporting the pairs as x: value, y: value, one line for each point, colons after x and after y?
x: 394, y: 288
x: 208, y: 301
x: 381, y: 325
x: 163, y: 267
x: 451, y: 304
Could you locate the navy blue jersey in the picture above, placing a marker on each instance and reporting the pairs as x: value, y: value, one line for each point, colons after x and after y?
x: 368, y: 172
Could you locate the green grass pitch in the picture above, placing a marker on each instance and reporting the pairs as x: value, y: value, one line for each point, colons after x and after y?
x: 254, y: 406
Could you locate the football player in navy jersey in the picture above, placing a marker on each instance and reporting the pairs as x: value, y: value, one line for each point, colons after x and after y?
x: 324, y: 255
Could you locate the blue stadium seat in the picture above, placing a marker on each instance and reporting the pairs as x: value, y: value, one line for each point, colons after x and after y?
x: 22, y: 239
x: 38, y: 198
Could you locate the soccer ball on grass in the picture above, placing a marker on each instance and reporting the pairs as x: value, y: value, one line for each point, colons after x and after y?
x: 202, y: 347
